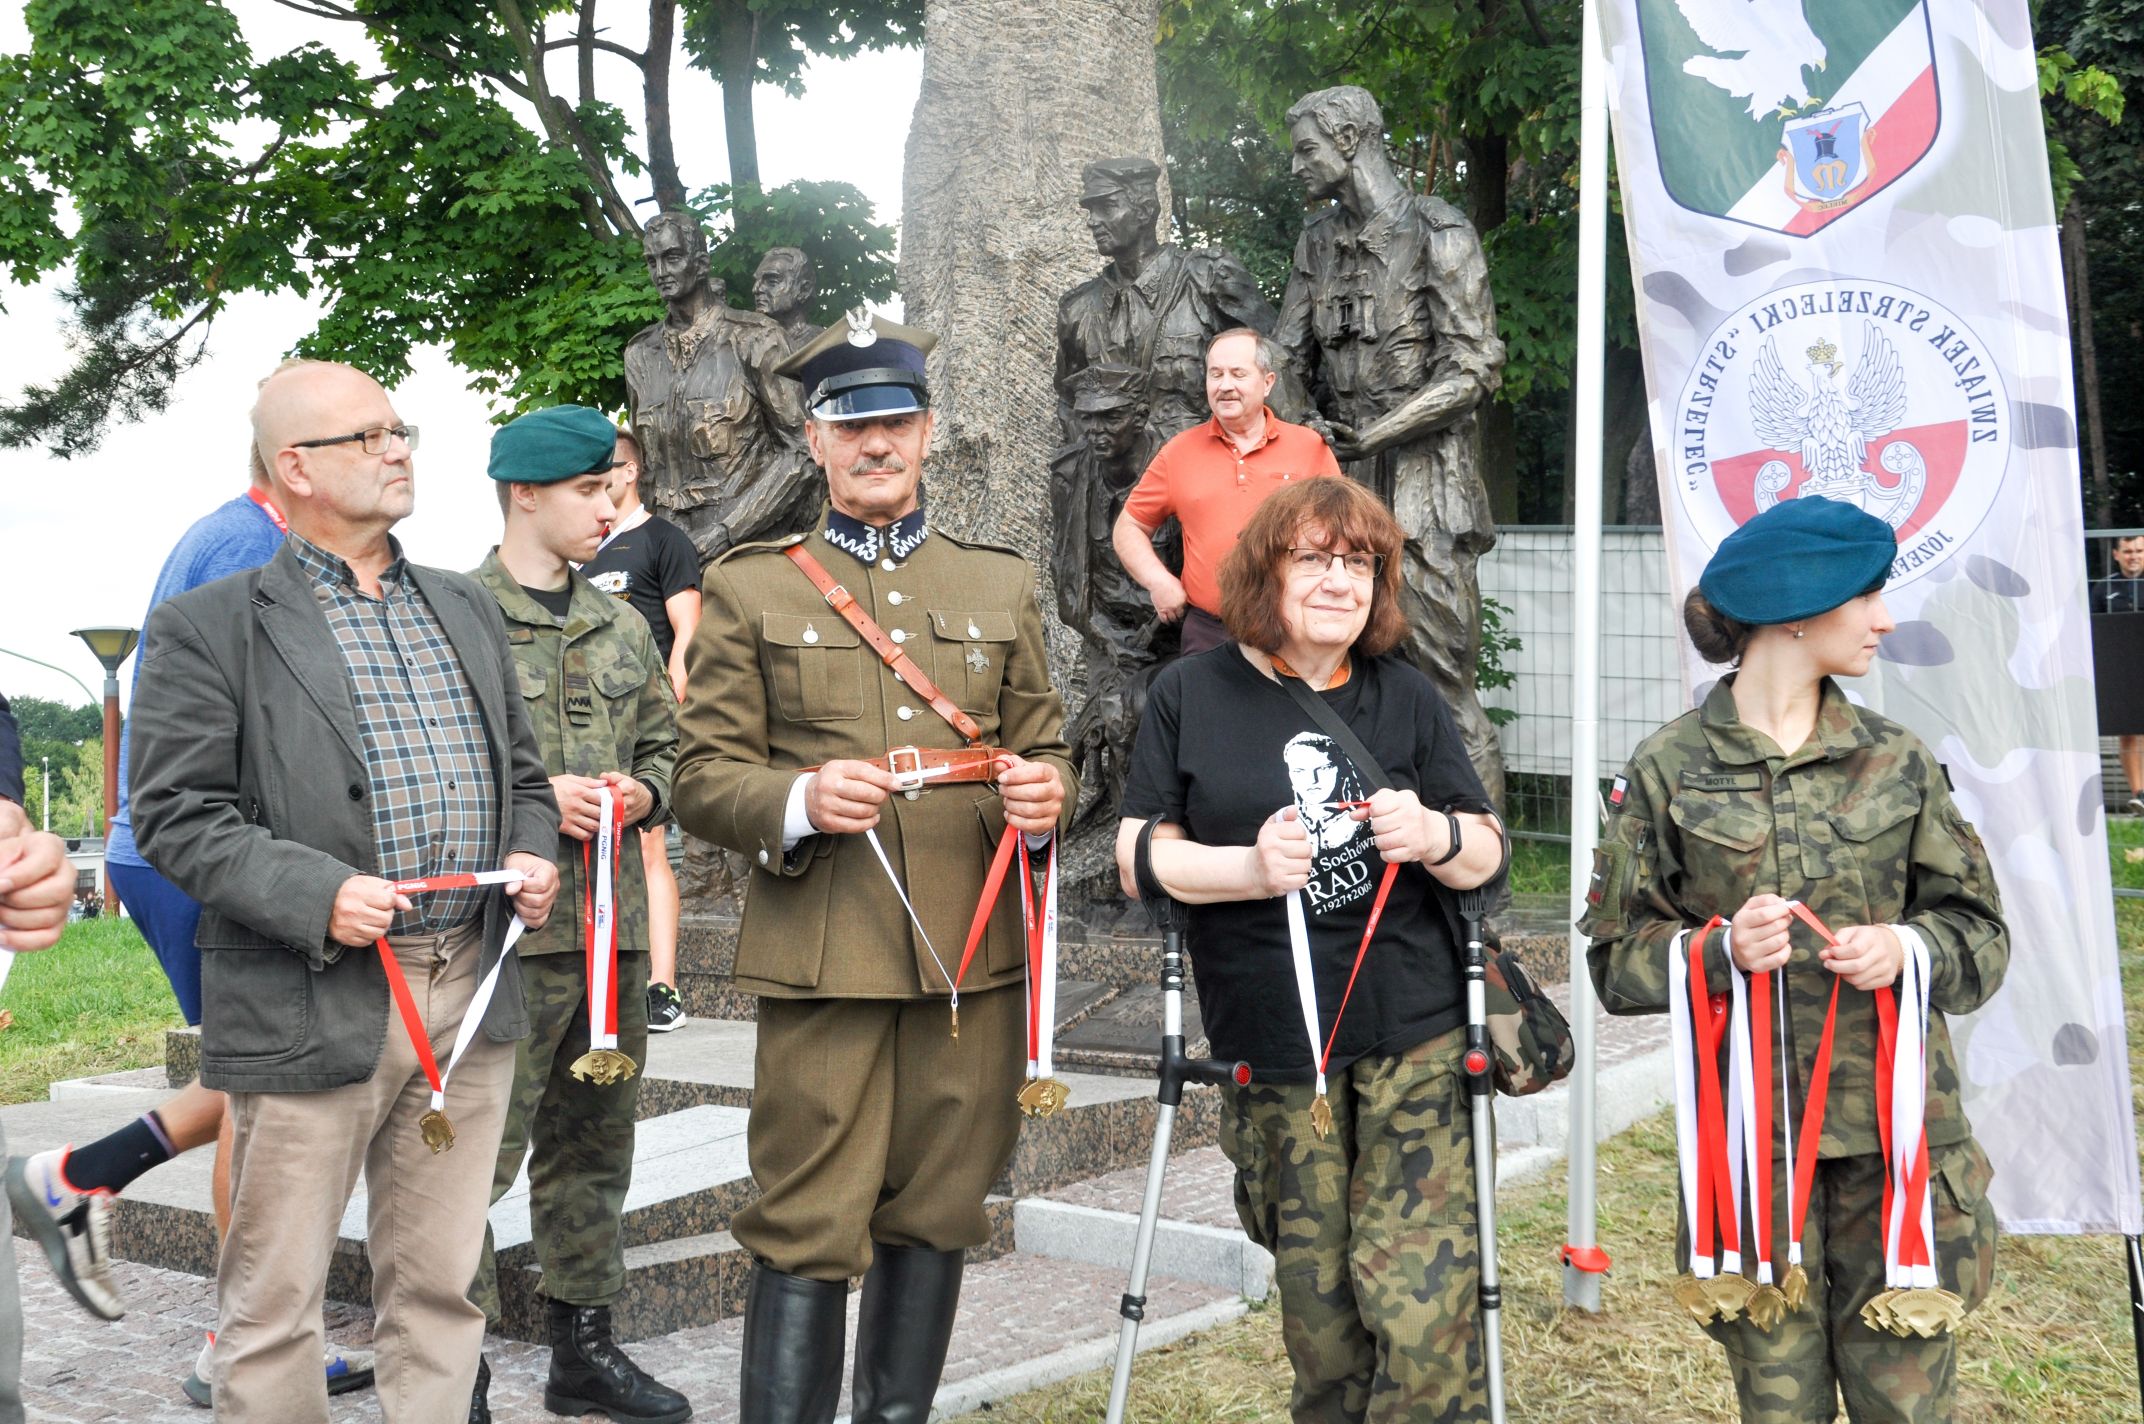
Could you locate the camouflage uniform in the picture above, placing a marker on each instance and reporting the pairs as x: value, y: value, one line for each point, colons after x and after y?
x: 599, y: 700
x: 1858, y: 823
x: 1373, y: 1234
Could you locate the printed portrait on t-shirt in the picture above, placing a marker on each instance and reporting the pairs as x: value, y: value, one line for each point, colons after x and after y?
x: 618, y: 583
x: 1341, y: 847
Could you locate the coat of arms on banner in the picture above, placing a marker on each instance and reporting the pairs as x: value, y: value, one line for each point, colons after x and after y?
x: 1854, y: 390
x: 1787, y: 114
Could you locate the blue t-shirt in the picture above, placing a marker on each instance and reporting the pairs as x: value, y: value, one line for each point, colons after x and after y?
x: 229, y: 539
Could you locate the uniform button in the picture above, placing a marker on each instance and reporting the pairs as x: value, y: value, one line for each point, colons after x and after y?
x: 974, y: 632
x: 894, y: 596
x: 357, y: 793
x: 904, y: 713
x: 911, y: 795
x: 900, y: 635
x: 763, y: 857
x: 887, y: 564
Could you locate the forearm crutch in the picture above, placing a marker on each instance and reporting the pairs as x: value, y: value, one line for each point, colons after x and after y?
x: 1176, y: 1070
x: 1472, y: 905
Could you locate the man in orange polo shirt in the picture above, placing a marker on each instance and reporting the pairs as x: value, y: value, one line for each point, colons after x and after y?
x: 1211, y: 477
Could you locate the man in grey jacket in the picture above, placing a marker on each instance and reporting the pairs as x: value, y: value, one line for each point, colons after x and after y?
x: 308, y: 736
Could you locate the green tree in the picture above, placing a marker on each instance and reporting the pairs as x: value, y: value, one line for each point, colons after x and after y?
x: 39, y: 719
x: 443, y: 190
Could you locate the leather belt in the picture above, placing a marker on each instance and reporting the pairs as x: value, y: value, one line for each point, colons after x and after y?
x: 918, y: 768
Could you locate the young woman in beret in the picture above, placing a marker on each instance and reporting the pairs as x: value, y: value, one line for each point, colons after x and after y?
x: 1778, y: 789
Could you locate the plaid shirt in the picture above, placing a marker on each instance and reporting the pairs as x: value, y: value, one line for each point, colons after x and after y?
x: 434, y: 796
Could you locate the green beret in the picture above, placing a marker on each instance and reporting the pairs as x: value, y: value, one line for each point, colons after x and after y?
x: 553, y: 444
x: 1799, y: 558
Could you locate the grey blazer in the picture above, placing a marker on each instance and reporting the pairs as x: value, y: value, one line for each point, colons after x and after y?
x: 250, y: 794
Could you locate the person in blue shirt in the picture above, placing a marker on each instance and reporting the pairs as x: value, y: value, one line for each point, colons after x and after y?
x: 64, y: 1196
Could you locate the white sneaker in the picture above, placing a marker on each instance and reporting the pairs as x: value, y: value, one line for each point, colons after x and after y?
x: 75, y: 1228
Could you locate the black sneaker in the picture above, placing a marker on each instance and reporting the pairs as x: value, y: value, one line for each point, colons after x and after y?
x: 665, y: 1010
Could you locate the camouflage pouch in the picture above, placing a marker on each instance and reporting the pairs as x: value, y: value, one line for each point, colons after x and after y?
x: 1528, y: 1034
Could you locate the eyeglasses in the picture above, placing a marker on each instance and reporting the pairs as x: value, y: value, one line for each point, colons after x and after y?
x: 373, y: 441
x: 1360, y: 565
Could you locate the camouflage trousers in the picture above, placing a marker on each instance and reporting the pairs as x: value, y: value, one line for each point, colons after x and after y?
x: 1372, y: 1232
x: 577, y: 1135
x: 1796, y: 1373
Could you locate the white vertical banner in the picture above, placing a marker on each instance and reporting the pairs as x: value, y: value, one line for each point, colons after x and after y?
x: 1843, y: 244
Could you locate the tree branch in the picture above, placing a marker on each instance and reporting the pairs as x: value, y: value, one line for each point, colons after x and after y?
x: 564, y: 129
x: 632, y: 56
x: 587, y: 42
x: 1533, y: 18
x: 324, y: 9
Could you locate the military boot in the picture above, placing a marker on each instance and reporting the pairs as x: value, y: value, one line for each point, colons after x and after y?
x: 792, y: 1349
x: 903, y: 1325
x: 480, y: 1397
x: 589, y: 1372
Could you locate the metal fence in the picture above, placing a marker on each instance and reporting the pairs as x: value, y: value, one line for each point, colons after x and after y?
x: 1529, y: 574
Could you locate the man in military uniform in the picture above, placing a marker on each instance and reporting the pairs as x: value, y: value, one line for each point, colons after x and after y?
x: 1154, y: 306
x: 876, y: 1131
x: 783, y: 288
x: 1124, y: 641
x: 600, y: 701
x: 1389, y: 322
x: 719, y: 451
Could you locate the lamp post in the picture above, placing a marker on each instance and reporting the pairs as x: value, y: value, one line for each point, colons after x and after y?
x: 111, y: 645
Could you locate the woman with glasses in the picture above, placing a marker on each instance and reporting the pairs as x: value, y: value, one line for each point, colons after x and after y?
x: 1270, y: 832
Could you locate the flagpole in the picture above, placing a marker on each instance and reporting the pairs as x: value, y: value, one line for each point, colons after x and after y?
x: 1583, y: 1263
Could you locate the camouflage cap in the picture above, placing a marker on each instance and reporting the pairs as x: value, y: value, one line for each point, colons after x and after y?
x: 553, y: 444
x: 1106, y: 385
x: 1801, y: 557
x: 1113, y: 175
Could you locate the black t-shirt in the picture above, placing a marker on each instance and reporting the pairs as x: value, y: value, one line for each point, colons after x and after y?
x: 1220, y: 749
x: 647, y: 565
x: 554, y: 601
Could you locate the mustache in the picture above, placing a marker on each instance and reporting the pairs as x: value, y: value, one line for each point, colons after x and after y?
x: 887, y: 465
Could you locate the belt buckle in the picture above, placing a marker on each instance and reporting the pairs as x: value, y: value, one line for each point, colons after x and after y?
x: 911, y: 779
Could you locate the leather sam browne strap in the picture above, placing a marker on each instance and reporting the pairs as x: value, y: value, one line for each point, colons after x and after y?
x: 889, y: 652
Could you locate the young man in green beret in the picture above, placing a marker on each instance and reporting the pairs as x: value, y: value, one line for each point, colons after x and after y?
x: 600, y: 701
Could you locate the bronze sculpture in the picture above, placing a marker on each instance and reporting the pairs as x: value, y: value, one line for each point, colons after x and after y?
x: 722, y: 451
x: 784, y: 285
x: 1389, y: 322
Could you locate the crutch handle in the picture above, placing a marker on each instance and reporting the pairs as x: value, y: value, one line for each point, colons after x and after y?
x: 1161, y: 908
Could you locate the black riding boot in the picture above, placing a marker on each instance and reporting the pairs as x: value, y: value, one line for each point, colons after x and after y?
x: 903, y: 1327
x: 590, y: 1372
x: 480, y: 1397
x: 792, y: 1348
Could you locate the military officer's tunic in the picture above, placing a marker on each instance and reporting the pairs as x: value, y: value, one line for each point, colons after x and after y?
x: 1858, y: 823
x: 869, y: 1122
x: 599, y: 699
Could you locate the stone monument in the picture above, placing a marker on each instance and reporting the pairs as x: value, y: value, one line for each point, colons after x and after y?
x: 721, y: 437
x: 1389, y: 322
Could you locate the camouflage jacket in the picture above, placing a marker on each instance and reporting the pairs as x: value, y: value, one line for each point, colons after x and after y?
x: 1858, y: 823
x: 599, y: 700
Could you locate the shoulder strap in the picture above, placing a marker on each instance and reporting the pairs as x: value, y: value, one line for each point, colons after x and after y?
x: 889, y: 652
x: 1329, y: 722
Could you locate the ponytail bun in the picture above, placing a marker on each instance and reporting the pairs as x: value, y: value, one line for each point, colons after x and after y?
x: 1717, y: 637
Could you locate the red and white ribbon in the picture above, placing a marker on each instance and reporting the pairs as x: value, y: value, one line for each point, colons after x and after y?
x: 406, y: 1004
x: 1909, y: 1215
x: 1682, y: 1044
x: 1041, y: 923
x: 599, y: 918
x: 1306, y: 984
x: 474, y: 1018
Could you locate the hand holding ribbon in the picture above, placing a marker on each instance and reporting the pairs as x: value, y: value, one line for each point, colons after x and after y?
x: 1280, y: 859
x: 1033, y: 793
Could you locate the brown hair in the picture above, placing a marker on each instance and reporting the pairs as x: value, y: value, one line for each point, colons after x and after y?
x: 1717, y: 637
x: 1335, y: 509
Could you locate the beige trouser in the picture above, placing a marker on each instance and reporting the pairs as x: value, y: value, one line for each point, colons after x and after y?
x: 294, y: 1159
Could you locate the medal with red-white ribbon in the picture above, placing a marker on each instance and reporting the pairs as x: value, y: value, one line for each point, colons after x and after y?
x: 433, y: 1127
x: 1042, y: 1094
x: 1914, y: 1301
x: 1720, y: 1126
x: 1306, y: 991
x: 603, y: 1063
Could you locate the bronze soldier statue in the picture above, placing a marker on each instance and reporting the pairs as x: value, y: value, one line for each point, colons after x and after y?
x: 1154, y: 306
x: 1124, y: 641
x: 721, y: 453
x: 1389, y: 321
x: 783, y: 289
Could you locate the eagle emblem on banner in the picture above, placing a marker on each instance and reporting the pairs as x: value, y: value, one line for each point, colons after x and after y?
x: 1831, y: 426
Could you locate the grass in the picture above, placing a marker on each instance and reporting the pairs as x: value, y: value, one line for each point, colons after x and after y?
x: 1544, y: 868
x: 2051, y: 1345
x: 96, y: 1002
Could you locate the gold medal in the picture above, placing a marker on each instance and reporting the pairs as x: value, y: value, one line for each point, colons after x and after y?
x: 437, y: 1132
x: 1925, y: 1311
x: 1691, y: 1295
x: 1767, y: 1307
x: 1321, y: 1117
x: 1877, y: 1313
x: 1043, y: 1096
x: 603, y: 1066
x: 1795, y: 1286
x: 1731, y: 1293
